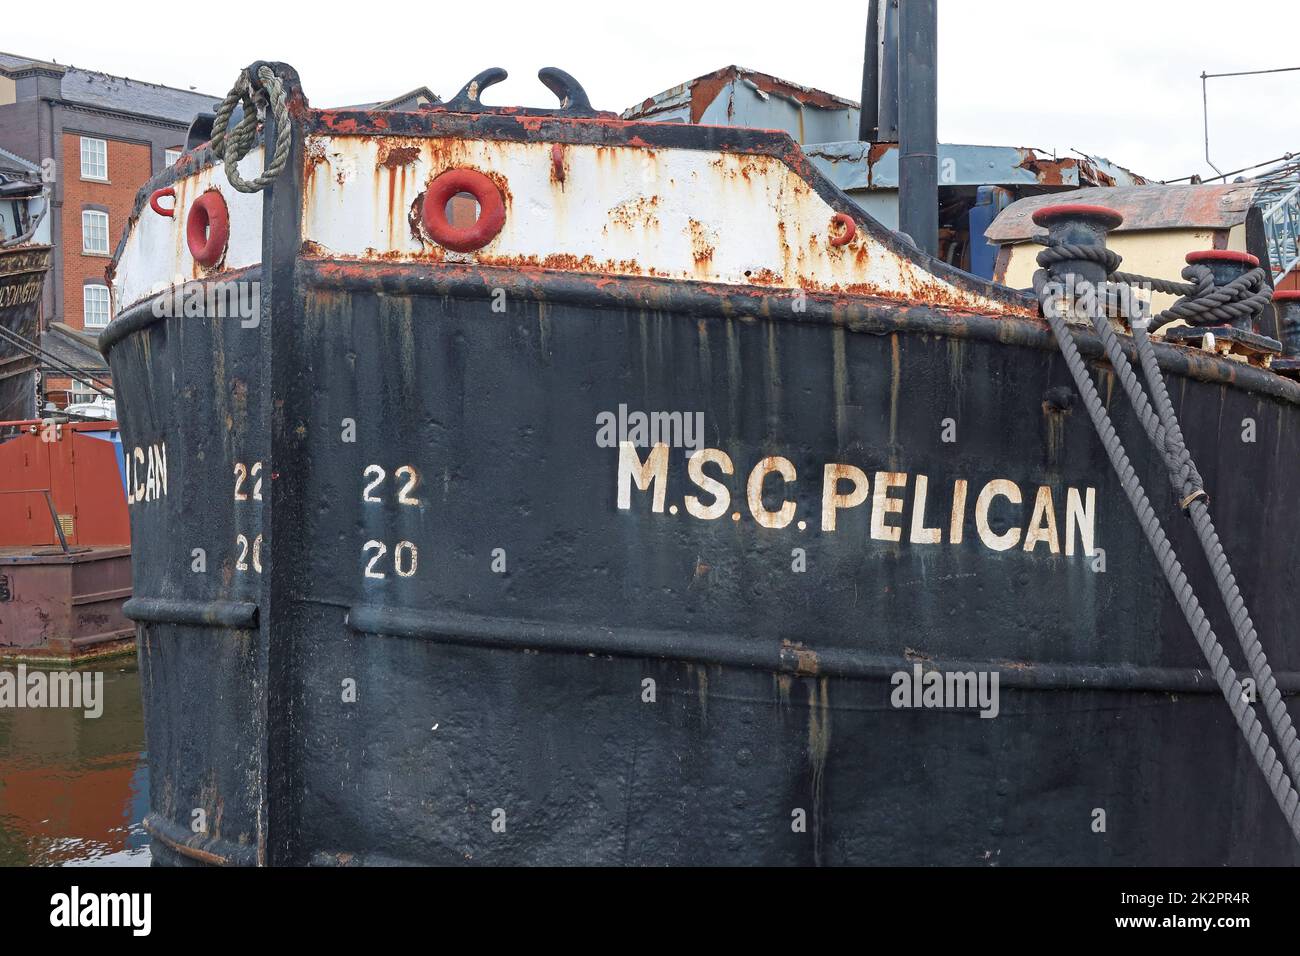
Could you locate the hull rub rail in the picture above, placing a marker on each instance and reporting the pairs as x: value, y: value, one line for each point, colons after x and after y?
x: 236, y: 614
x: 786, y: 657
x: 180, y: 840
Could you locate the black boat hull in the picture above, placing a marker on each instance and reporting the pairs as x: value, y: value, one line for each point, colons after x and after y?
x: 502, y: 716
x: 412, y: 587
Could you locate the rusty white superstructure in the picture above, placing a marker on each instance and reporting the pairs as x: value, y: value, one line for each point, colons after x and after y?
x: 744, y: 218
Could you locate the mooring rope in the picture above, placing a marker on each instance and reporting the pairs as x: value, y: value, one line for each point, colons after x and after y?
x: 1162, y: 428
x: 1202, y: 302
x: 232, y: 145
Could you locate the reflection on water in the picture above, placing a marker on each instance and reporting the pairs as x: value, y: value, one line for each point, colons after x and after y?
x: 73, y: 790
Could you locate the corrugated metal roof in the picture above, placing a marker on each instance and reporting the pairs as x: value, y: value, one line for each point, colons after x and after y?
x: 827, y: 127
x: 703, y: 89
x: 736, y: 96
x: 1143, y: 207
x: 854, y: 165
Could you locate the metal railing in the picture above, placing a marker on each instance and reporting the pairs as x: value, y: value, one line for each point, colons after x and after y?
x: 1282, y: 231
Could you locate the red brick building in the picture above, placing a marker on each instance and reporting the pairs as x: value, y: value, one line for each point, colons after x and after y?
x: 100, y: 137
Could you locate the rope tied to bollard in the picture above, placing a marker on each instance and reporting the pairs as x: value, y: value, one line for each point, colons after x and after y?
x: 232, y: 145
x: 1182, y: 471
x: 1162, y: 428
x: 1202, y: 303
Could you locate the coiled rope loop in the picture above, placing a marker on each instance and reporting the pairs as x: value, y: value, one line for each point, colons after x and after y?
x: 232, y: 145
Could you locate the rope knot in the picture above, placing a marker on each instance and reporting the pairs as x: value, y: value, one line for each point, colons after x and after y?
x: 1245, y: 297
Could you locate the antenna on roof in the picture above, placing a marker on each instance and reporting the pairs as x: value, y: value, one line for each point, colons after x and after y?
x: 1205, y: 107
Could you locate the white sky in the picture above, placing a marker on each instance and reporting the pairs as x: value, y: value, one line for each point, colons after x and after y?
x: 1118, y: 78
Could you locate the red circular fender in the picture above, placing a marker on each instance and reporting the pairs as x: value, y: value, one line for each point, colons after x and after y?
x: 491, y: 214
x: 207, y: 228
x: 161, y: 210
x: 848, y: 229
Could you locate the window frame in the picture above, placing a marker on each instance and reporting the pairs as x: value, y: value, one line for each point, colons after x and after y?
x: 91, y: 176
x: 79, y: 393
x: 170, y: 155
x: 85, y: 251
x: 85, y: 302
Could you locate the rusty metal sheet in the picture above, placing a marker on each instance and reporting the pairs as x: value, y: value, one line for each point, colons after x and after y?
x: 854, y: 165
x: 713, y: 216
x: 1143, y: 207
x: 64, y: 607
x: 596, y: 197
x: 78, y: 464
x: 734, y: 95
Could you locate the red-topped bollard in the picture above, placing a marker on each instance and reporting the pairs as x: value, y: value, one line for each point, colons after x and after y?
x: 1220, y: 319
x: 1076, y: 224
x: 1226, y: 265
x: 1076, y: 258
x: 1287, y: 303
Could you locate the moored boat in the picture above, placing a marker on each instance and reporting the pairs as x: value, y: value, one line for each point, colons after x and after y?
x: 65, y: 546
x: 22, y: 277
x: 441, y: 570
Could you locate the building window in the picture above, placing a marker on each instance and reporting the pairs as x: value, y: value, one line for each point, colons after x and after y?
x: 81, y: 394
x: 94, y: 232
x: 171, y: 155
x: 96, y: 308
x: 94, y: 159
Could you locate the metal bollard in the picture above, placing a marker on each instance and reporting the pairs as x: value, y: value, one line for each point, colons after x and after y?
x: 1287, y: 303
x: 1083, y: 280
x: 1226, y: 265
